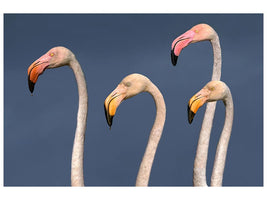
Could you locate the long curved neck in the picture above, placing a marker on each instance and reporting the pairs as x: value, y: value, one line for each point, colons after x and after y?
x: 221, y: 152
x: 217, y: 58
x: 78, y: 145
x: 199, y: 174
x: 154, y: 138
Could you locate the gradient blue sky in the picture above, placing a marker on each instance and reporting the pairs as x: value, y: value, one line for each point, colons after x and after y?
x: 39, y: 129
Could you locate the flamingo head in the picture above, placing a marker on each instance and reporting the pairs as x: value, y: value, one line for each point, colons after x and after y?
x: 213, y: 91
x: 197, y: 33
x: 130, y: 86
x: 55, y: 57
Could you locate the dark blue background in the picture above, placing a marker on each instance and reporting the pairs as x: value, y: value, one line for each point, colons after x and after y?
x: 39, y: 129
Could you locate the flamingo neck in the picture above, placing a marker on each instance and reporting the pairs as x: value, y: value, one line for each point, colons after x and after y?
x: 199, y: 174
x: 154, y: 138
x: 217, y: 58
x: 221, y: 152
x: 78, y: 145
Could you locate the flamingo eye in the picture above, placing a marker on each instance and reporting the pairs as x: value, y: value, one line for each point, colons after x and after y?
x: 52, y: 54
x: 128, y: 84
x: 196, y: 31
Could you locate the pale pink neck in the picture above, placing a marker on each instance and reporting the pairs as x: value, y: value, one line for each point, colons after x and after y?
x: 217, y: 58
x: 199, y: 174
x: 78, y: 145
x: 221, y: 152
x: 154, y: 138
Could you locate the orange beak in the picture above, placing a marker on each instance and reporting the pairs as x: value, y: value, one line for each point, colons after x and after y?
x: 198, y: 100
x: 36, y: 69
x: 113, y: 101
x: 179, y: 43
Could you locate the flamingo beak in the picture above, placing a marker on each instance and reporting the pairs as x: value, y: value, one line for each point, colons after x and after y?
x: 35, y: 70
x: 113, y: 101
x: 179, y: 43
x: 195, y: 103
x: 174, y: 58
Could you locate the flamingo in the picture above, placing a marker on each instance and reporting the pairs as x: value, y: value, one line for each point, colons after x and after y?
x: 58, y: 57
x: 130, y: 86
x: 215, y: 91
x: 201, y: 32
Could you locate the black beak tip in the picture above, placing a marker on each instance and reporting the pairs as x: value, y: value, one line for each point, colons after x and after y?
x: 31, y: 85
x: 191, y: 115
x: 174, y: 58
x: 110, y: 121
x: 108, y: 118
